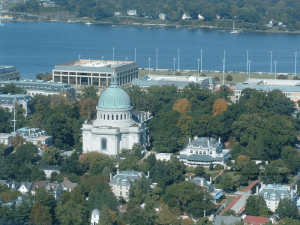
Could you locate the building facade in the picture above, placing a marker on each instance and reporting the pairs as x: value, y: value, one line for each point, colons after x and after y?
x: 121, y: 182
x: 95, y: 217
x: 9, y: 73
x: 116, y: 126
x: 10, y: 101
x: 179, y: 81
x: 273, y: 193
x: 49, y: 169
x: 34, y: 135
x: 290, y: 88
x: 40, y: 87
x: 95, y: 72
x: 204, y: 151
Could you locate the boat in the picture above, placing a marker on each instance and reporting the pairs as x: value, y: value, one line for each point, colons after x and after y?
x: 234, y: 31
x: 88, y: 23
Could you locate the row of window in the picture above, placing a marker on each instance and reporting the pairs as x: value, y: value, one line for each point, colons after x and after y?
x: 200, y: 152
x: 115, y: 117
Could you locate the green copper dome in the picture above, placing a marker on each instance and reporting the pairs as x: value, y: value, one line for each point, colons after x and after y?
x: 114, y: 97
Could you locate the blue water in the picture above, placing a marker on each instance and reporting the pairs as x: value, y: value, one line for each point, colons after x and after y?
x: 37, y: 47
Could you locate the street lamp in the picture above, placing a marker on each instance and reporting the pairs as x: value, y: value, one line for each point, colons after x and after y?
x: 126, y: 58
x: 201, y: 62
x: 149, y: 64
x: 178, y: 58
x: 198, y: 67
x: 275, y: 62
x: 174, y: 66
x: 135, y: 54
x: 249, y: 62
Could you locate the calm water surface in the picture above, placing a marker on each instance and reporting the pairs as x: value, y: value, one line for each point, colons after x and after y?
x: 37, y: 47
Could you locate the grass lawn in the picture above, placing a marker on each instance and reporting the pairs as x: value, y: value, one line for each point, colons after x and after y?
x: 231, y: 174
x: 229, y: 199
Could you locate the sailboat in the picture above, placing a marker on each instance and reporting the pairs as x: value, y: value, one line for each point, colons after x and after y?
x: 234, y: 31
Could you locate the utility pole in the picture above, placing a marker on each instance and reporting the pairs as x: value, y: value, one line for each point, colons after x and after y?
x: 149, y: 64
x: 247, y: 62
x: 156, y: 58
x: 201, y: 62
x: 113, y: 53
x: 224, y: 69
x: 135, y: 54
x: 295, y: 63
x: 174, y: 59
x: 178, y: 58
x: 15, y: 115
x: 198, y: 67
x: 275, y: 62
x: 271, y: 63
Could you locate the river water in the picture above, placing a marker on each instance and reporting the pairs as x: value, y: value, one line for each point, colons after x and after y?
x: 37, y: 47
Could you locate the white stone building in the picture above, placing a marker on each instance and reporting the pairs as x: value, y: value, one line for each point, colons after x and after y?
x: 10, y: 101
x: 116, y: 126
x: 204, y: 151
x: 273, y: 193
x: 121, y: 182
x: 49, y: 169
x: 25, y: 187
x: 131, y: 12
x: 34, y: 135
x: 162, y: 16
x: 95, y: 218
x: 5, y: 138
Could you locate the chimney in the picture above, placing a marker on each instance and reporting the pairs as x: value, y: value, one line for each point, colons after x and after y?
x: 204, y: 213
x: 292, y: 193
x: 195, y: 137
x: 210, y: 179
x: 202, y: 182
x: 296, y: 187
x: 257, y: 190
x: 110, y: 177
x: 148, y: 173
x: 190, y: 140
x: 208, y: 142
x: 117, y: 171
x: 219, y: 140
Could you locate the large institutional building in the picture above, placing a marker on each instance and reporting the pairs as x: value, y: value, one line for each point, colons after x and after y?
x: 9, y: 73
x: 290, y: 88
x: 95, y: 72
x: 116, y: 126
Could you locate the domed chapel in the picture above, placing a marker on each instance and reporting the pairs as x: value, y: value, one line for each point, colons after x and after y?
x: 117, y: 126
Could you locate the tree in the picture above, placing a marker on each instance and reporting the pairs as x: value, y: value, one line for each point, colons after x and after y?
x: 199, y: 170
x: 166, y: 217
x: 291, y: 158
x: 51, y: 156
x: 106, y: 216
x: 220, y: 106
x: 287, y: 209
x: 46, y: 199
x: 241, y: 161
x: 182, y: 105
x: 227, y: 183
x: 229, y: 78
x: 87, y: 107
x: 254, y: 204
x: 40, y: 215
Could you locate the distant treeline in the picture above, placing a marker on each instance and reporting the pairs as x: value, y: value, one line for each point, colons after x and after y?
x: 257, y: 11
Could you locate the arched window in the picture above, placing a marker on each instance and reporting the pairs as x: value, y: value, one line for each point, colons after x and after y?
x: 112, y: 117
x: 103, y: 144
x: 107, y: 116
x: 117, y: 117
x: 121, y: 117
x: 103, y: 116
x: 124, y: 116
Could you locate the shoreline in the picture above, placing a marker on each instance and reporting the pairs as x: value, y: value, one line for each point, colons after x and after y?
x: 220, y: 29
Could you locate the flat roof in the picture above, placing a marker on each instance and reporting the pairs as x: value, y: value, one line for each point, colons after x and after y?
x: 268, y: 87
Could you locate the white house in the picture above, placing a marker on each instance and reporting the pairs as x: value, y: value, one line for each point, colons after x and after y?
x: 25, y: 187
x: 117, y: 127
x: 5, y: 138
x: 163, y: 156
x: 55, y: 189
x: 204, y: 151
x: 162, y: 16
x: 95, y: 217
x: 186, y: 16
x: 68, y: 185
x: 273, y: 193
x: 121, y: 182
x: 131, y: 12
x: 49, y: 169
x: 200, y: 17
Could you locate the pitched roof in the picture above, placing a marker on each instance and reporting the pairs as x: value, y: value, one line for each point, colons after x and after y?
x: 68, y: 184
x: 39, y: 184
x: 220, y: 220
x: 276, y: 192
x: 53, y: 186
x: 125, y: 178
x: 27, y: 185
x: 256, y: 220
x: 50, y: 167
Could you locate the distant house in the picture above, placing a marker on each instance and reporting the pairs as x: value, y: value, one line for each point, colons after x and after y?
x: 204, y: 151
x: 280, y: 23
x: 121, y: 182
x: 186, y: 16
x: 25, y: 187
x: 200, y: 17
x: 226, y: 220
x: 163, y: 156
x: 14, y: 202
x: 255, y: 220
x: 5, y: 138
x: 117, y: 13
x: 68, y: 185
x: 208, y: 185
x: 218, y: 17
x: 273, y: 193
x: 162, y: 16
x: 55, y: 188
x: 37, y: 185
x: 270, y: 24
x: 131, y: 12
x: 49, y: 169
x: 95, y: 218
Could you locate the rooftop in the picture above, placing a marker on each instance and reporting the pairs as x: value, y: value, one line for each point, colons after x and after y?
x: 126, y: 177
x: 282, y: 88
